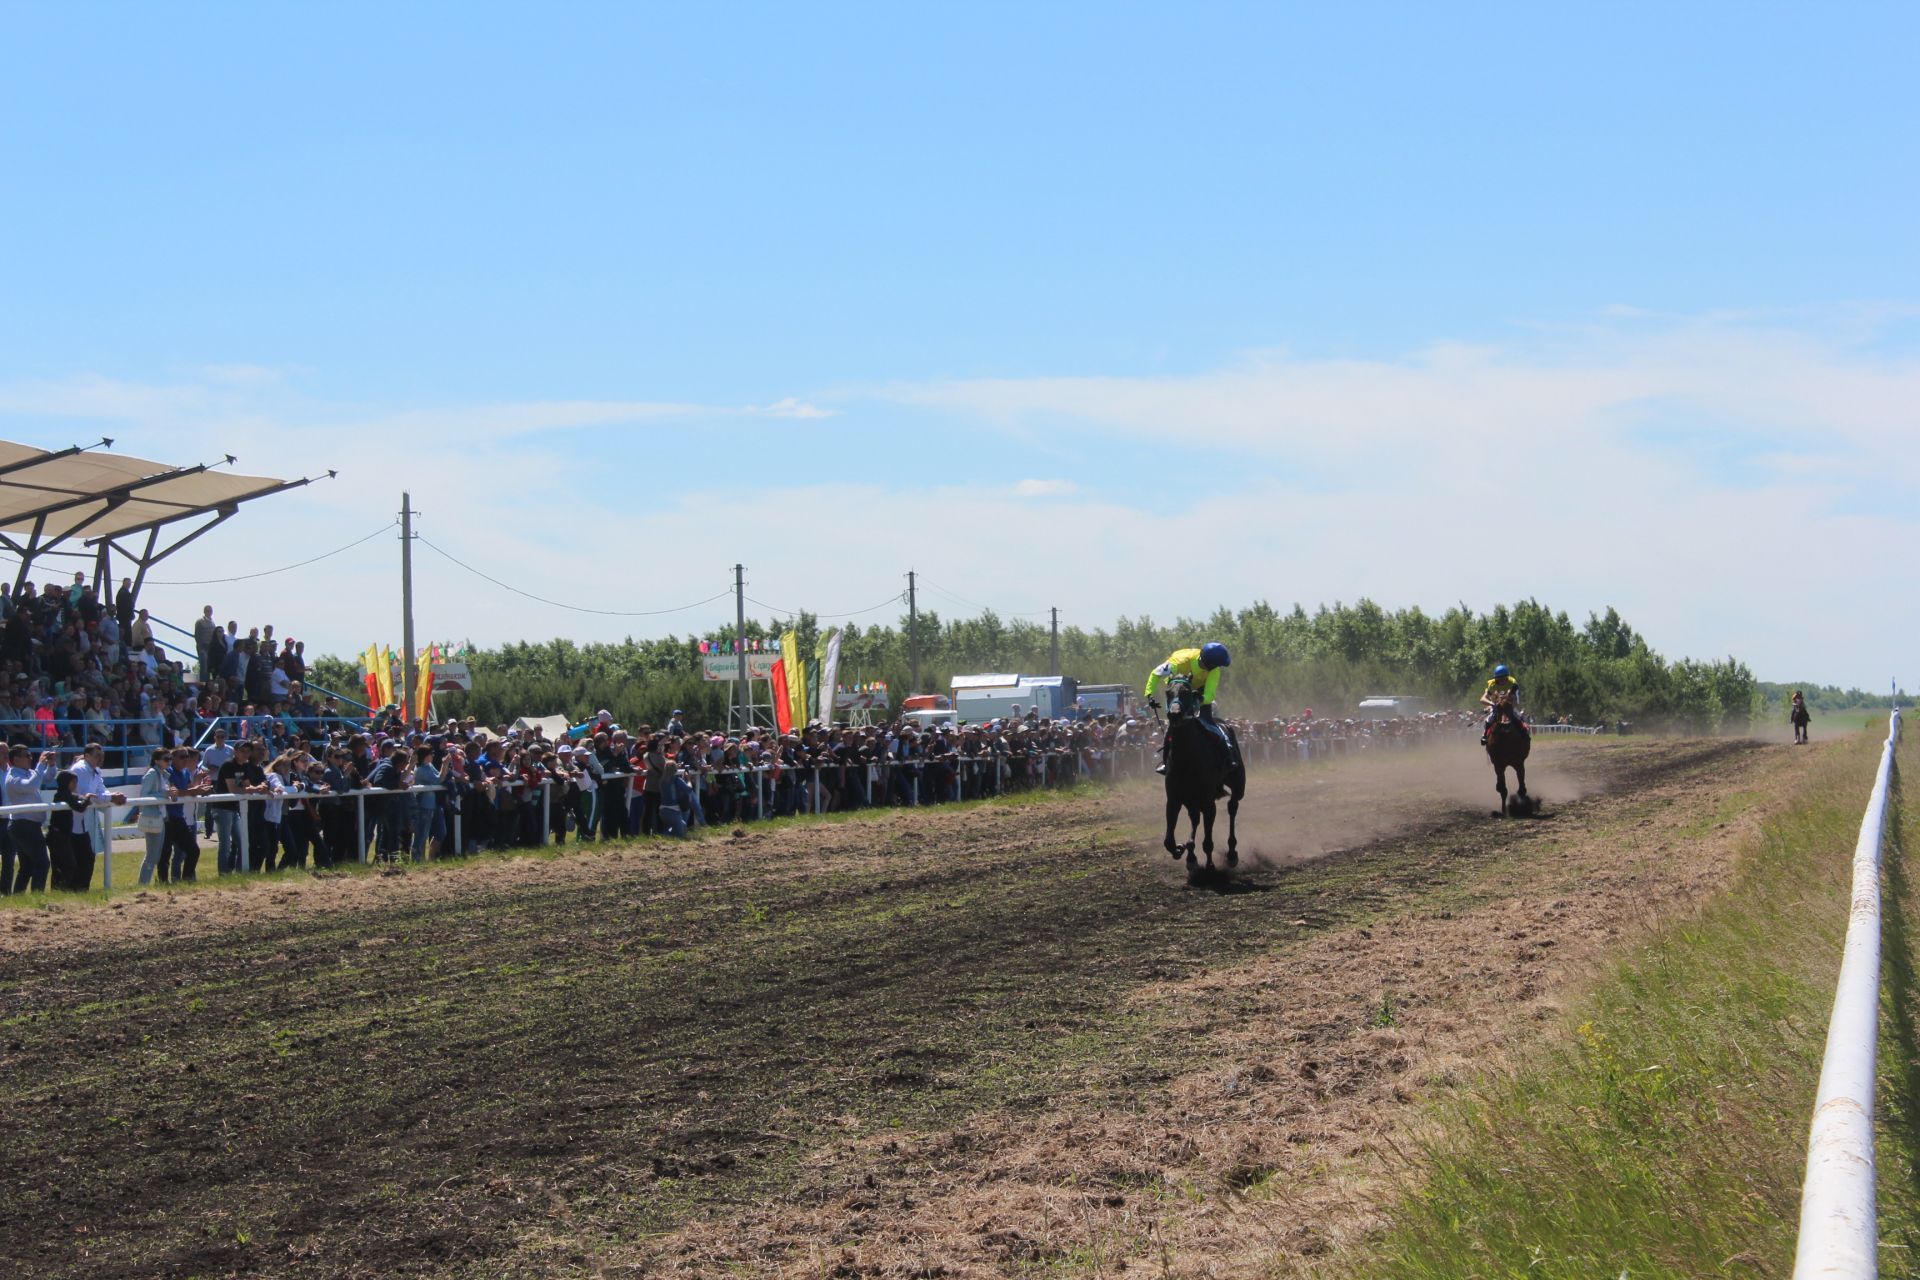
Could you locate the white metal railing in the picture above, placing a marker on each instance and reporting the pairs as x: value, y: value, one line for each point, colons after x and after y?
x: 911, y: 781
x: 1839, y: 1229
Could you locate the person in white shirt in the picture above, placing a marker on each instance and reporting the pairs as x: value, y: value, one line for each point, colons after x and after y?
x: 89, y: 780
x: 152, y: 819
x: 27, y: 832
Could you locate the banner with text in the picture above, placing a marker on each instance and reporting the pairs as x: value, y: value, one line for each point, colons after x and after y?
x: 726, y: 666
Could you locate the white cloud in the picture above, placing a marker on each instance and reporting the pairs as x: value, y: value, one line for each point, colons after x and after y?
x: 1568, y: 466
x: 793, y: 408
x: 1044, y: 488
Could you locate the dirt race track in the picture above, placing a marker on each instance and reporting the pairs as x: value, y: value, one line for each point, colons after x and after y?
x: 960, y: 1043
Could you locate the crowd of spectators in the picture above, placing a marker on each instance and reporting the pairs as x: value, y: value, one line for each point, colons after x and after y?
x: 75, y: 668
x: 78, y: 676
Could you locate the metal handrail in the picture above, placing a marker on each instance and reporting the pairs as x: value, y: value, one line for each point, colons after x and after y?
x: 1839, y: 1230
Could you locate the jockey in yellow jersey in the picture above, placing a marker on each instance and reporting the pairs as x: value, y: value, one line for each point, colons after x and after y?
x: 1502, y: 690
x: 1202, y: 668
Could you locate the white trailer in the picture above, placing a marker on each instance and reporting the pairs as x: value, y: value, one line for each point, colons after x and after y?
x: 977, y: 699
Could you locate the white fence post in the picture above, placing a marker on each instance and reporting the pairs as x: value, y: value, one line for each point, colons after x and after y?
x: 240, y: 822
x: 1839, y: 1230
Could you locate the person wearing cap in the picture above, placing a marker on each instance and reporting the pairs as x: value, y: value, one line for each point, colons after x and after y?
x: 586, y: 769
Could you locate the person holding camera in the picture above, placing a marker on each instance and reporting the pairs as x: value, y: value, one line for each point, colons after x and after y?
x: 24, y: 781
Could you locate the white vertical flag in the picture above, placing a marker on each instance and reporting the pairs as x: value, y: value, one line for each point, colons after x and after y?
x: 829, y: 674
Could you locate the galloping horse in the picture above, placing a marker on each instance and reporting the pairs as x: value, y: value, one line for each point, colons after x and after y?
x: 1508, y: 744
x: 1799, y: 717
x: 1197, y: 772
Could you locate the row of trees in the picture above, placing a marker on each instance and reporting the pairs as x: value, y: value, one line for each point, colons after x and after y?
x: 1599, y: 671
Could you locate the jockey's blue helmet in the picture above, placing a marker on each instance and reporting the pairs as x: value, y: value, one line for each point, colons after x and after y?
x: 1501, y: 671
x: 1214, y: 654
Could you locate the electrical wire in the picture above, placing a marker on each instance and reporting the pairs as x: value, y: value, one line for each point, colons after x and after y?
x: 851, y: 613
x: 971, y: 604
x: 268, y: 573
x: 559, y: 604
x: 975, y: 604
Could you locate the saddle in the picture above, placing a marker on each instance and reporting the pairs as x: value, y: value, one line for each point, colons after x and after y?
x: 1503, y: 713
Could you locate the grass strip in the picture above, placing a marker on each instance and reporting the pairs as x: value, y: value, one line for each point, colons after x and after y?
x: 1664, y: 1133
x: 127, y: 861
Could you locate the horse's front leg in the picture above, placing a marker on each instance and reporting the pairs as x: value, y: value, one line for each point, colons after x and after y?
x: 1173, y: 818
x: 1233, y: 840
x: 1500, y: 785
x: 1520, y: 781
x: 1207, y: 814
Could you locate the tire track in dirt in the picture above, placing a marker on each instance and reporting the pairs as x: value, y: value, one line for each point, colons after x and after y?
x: 422, y: 1088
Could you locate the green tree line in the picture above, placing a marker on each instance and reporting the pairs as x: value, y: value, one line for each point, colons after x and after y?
x: 1597, y: 671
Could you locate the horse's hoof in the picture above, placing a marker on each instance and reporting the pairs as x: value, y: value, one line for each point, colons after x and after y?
x: 1172, y: 848
x: 1233, y: 858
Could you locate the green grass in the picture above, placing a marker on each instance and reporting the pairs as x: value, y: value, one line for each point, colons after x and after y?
x: 1664, y: 1133
x: 127, y: 859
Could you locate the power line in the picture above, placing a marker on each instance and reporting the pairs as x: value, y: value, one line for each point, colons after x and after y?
x: 975, y: 604
x: 851, y: 613
x: 558, y: 604
x: 971, y: 604
x: 267, y: 573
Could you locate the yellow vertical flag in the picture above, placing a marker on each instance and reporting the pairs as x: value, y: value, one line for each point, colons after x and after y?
x: 796, y: 677
x: 371, y: 661
x: 386, y: 676
x: 423, y: 695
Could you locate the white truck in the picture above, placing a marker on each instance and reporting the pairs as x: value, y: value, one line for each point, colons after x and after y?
x: 978, y: 699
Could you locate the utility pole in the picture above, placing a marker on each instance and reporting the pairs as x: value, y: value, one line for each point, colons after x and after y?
x: 408, y: 674
x: 742, y: 691
x: 913, y: 633
x: 1056, y: 642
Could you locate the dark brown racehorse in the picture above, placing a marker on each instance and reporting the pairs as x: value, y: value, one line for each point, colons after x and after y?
x: 1198, y: 770
x: 1800, y: 717
x: 1508, y: 744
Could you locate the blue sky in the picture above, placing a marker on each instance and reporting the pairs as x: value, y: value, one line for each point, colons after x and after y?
x: 1032, y: 297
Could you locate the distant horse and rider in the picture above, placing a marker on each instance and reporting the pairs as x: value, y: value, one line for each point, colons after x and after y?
x: 1799, y: 717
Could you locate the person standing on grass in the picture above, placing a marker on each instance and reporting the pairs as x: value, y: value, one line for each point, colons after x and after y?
x: 339, y: 813
x: 220, y: 816
x: 180, y: 852
x: 242, y: 776
x: 659, y: 774
x: 389, y: 811
x: 26, y: 832
x: 64, y: 844
x: 152, y: 819
x: 92, y: 782
x: 424, y: 804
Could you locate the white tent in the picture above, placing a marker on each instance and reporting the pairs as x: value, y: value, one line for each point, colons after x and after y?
x: 554, y: 727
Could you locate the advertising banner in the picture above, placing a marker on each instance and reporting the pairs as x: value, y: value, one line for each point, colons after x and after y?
x: 868, y: 700
x: 829, y: 672
x: 726, y: 666
x: 452, y: 675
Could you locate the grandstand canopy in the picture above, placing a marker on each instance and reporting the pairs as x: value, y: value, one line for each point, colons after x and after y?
x: 85, y: 502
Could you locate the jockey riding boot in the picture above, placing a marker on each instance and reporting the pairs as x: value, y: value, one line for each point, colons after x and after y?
x: 1163, y: 753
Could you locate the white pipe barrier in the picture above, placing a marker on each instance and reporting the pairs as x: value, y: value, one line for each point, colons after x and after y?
x: 1839, y: 1229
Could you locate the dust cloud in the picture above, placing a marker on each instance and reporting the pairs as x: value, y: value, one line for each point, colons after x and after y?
x: 1296, y: 813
